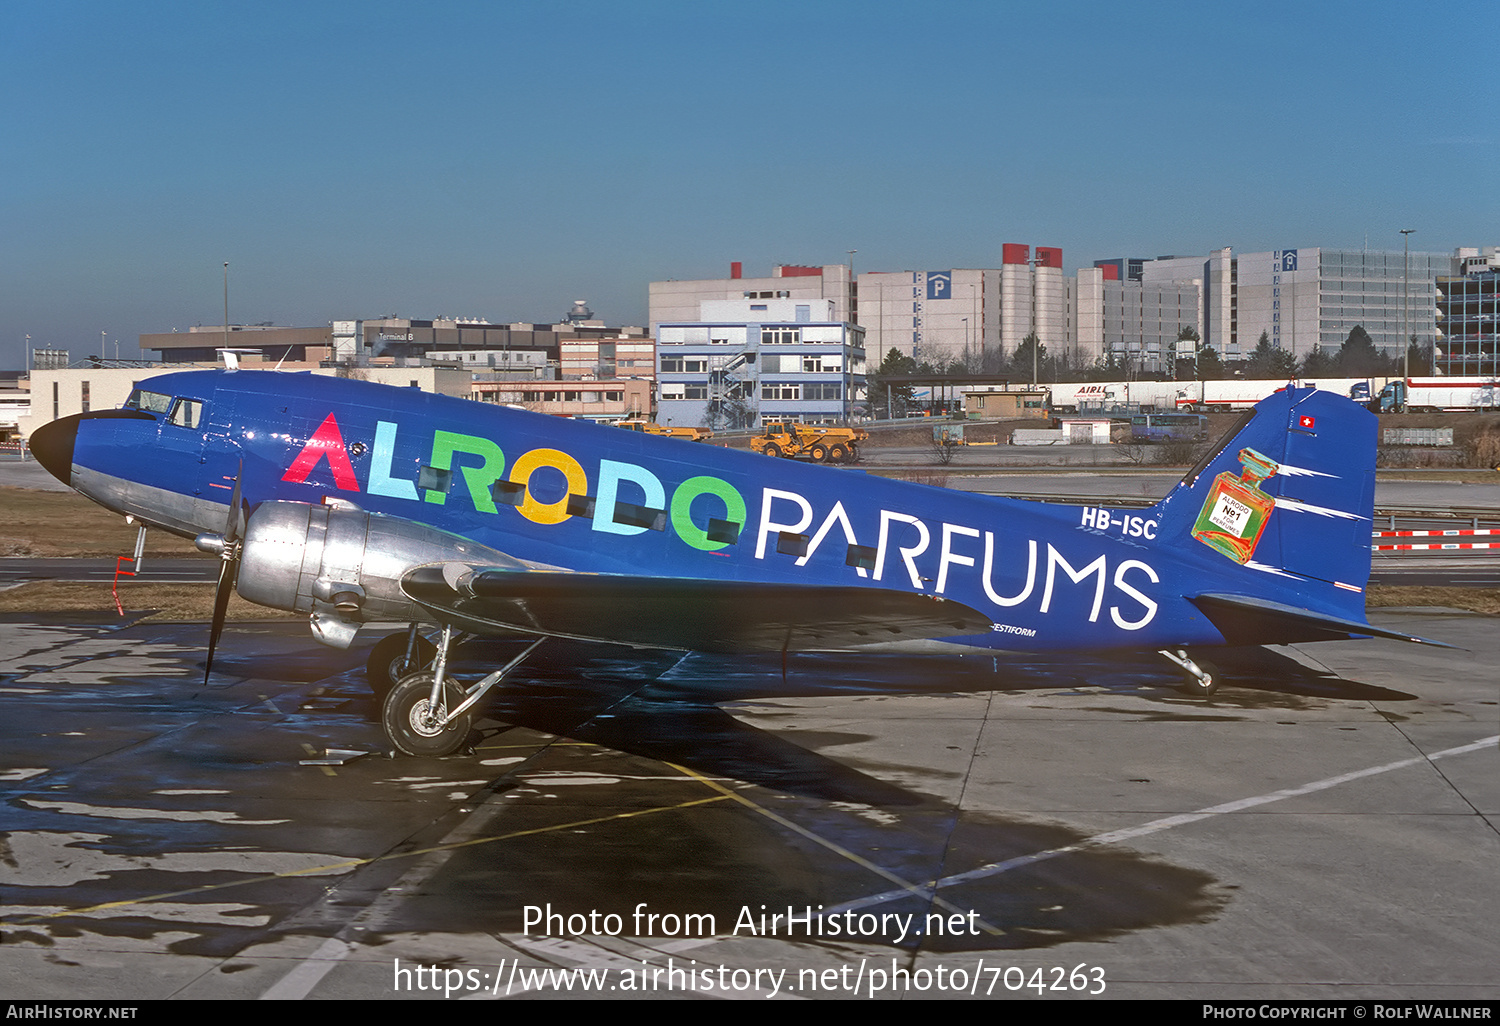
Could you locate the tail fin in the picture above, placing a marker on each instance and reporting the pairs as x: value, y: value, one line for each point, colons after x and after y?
x: 1281, y: 510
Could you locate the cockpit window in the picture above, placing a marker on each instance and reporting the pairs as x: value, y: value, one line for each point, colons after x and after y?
x: 151, y: 402
x: 186, y: 413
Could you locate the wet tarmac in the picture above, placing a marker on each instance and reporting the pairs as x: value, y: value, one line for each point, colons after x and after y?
x: 1327, y: 826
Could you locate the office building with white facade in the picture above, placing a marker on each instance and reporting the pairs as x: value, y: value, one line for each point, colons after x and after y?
x: 1390, y: 295
x: 1308, y: 297
x: 971, y: 315
x: 743, y: 361
x: 1141, y: 322
x: 1032, y: 296
x: 935, y: 316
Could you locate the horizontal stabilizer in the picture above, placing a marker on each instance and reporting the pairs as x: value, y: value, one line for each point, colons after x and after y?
x: 701, y: 615
x: 1250, y: 621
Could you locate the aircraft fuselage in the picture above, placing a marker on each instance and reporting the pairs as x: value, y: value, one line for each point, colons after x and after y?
x: 568, y: 494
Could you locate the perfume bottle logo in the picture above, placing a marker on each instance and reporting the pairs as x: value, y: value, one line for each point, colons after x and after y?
x: 1235, y: 513
x: 1230, y: 516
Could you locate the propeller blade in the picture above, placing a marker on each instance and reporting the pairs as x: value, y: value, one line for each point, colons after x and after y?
x: 229, y: 569
x: 232, y: 528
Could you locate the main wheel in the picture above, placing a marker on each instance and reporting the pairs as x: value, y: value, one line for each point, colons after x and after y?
x: 406, y: 717
x: 387, y: 663
x: 773, y: 449
x: 853, y: 453
x: 838, y: 453
x: 1203, y: 688
x: 819, y: 452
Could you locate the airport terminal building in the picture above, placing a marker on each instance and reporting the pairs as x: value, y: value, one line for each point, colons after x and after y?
x: 396, y: 338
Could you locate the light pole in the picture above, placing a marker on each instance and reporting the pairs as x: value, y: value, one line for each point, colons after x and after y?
x: 978, y: 321
x: 848, y: 376
x: 1036, y: 338
x: 1405, y: 286
x: 226, y: 307
x: 1292, y: 281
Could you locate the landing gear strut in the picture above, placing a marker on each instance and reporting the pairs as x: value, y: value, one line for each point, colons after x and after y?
x: 1203, y: 677
x: 396, y: 657
x: 427, y: 713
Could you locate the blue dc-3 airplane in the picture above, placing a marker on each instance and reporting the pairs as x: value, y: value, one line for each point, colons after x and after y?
x: 358, y: 503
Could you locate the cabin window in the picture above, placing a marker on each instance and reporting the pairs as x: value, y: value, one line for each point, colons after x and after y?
x: 151, y: 402
x: 186, y: 413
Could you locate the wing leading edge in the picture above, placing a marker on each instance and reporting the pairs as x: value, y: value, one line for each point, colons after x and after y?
x: 680, y: 613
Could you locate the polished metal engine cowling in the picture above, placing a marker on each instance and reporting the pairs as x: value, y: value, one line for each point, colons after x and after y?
x: 342, y: 562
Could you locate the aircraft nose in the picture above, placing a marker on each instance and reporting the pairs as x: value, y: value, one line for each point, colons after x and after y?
x: 52, y: 445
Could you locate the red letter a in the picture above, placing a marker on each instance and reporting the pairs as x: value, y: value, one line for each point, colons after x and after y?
x: 326, y: 441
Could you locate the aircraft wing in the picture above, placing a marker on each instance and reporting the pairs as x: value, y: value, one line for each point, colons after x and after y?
x: 700, y: 615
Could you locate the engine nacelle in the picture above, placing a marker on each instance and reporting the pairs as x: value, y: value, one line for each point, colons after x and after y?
x: 344, y: 566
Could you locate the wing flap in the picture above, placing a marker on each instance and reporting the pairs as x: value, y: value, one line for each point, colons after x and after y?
x: 1249, y: 621
x: 699, y: 615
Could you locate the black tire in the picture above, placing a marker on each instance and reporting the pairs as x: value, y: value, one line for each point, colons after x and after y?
x: 387, y: 662
x: 1206, y: 687
x: 853, y: 453
x: 402, y: 717
x: 838, y: 454
x: 819, y: 453
x: 773, y: 449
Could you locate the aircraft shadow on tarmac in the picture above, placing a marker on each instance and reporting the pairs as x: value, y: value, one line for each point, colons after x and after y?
x: 667, y: 705
x: 719, y: 859
x: 663, y: 706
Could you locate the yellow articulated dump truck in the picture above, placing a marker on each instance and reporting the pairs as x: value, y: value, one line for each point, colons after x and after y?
x: 690, y: 434
x: 817, y: 442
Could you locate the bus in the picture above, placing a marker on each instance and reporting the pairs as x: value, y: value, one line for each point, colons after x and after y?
x: 1168, y: 427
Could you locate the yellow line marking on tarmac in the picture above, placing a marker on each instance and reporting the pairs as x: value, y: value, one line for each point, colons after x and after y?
x: 926, y: 892
x: 537, y: 745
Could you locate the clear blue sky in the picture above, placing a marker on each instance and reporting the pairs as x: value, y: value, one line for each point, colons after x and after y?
x: 501, y: 159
